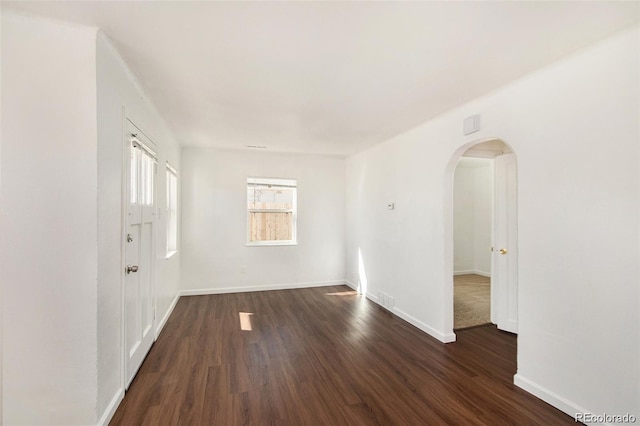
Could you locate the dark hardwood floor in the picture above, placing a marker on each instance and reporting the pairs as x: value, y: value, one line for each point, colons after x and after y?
x: 322, y: 356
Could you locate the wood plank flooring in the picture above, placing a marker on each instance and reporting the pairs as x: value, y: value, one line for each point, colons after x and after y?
x: 322, y: 356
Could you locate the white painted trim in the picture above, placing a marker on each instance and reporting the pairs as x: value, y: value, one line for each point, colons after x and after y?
x: 444, y: 338
x: 127, y: 125
x: 271, y: 243
x: 471, y: 271
x: 374, y: 299
x: 350, y: 284
x: 448, y: 228
x: 166, y: 316
x: 124, y: 200
x: 225, y: 290
x: 111, y: 408
x: 294, y: 228
x: 548, y: 396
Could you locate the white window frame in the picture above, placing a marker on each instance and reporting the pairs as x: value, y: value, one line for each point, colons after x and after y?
x: 283, y: 182
x: 143, y: 165
x: 172, y: 211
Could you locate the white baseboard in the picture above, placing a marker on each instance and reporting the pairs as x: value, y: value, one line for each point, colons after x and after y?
x: 548, y: 396
x: 166, y: 315
x: 444, y: 338
x: 224, y: 290
x: 472, y: 271
x: 111, y: 408
x: 350, y: 284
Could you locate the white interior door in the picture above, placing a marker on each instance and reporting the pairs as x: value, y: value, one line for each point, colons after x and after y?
x: 505, y: 254
x: 139, y: 294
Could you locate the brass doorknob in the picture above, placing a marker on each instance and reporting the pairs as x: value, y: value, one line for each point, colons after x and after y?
x: 503, y: 251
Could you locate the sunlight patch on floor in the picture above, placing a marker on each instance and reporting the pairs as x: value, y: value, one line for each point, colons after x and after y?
x: 343, y: 293
x: 245, y: 320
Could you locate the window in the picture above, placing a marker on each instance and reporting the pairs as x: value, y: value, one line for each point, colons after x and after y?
x: 271, y: 211
x: 172, y: 210
x: 143, y: 168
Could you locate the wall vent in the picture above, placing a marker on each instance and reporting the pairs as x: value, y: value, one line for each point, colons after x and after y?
x: 471, y: 124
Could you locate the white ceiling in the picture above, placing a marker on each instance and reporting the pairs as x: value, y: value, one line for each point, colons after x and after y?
x: 330, y: 77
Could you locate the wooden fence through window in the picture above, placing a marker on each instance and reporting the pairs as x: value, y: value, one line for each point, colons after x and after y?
x: 271, y: 226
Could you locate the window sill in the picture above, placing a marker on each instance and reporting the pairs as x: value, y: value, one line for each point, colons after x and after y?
x: 171, y: 254
x: 271, y: 243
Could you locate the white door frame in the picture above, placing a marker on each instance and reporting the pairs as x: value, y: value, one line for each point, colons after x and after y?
x: 504, y: 258
x: 124, y: 200
x: 448, y: 235
x: 128, y: 122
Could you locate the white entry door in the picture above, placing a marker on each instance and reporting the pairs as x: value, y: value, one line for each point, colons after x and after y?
x: 139, y: 291
x: 504, y: 275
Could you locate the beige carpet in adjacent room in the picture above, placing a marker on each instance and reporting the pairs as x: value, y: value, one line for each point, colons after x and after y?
x: 472, y: 301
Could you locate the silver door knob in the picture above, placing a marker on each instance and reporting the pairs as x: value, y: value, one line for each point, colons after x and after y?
x: 132, y: 268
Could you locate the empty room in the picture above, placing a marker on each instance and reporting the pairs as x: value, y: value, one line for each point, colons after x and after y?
x: 320, y: 213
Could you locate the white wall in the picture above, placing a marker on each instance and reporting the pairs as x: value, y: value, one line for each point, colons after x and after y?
x: 120, y: 97
x: 483, y: 218
x: 472, y: 216
x: 1, y: 275
x: 214, y: 222
x: 464, y: 228
x: 63, y: 93
x: 574, y: 128
x: 48, y: 249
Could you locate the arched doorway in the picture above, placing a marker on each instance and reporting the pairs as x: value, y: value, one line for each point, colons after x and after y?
x: 503, y: 249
